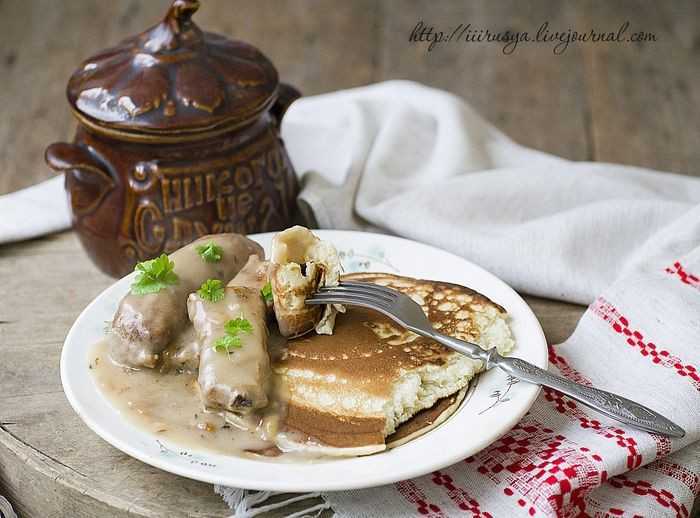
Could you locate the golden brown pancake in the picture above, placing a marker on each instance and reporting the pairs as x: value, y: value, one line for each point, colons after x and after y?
x: 354, y: 388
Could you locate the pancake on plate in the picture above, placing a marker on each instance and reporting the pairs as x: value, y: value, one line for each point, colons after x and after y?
x: 350, y: 392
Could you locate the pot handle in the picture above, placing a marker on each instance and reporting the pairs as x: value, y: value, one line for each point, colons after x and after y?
x: 286, y: 95
x: 62, y: 156
x: 87, y: 178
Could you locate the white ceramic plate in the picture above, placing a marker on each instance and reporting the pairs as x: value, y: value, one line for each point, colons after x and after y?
x: 493, y: 405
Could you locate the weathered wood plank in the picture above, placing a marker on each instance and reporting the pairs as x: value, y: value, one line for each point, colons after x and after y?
x: 537, y: 98
x: 43, y: 42
x: 643, y: 97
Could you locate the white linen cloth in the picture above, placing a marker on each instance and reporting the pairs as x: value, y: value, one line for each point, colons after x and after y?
x: 418, y: 162
x: 34, y: 211
x: 6, y: 510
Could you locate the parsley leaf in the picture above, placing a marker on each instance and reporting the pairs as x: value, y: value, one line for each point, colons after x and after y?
x: 232, y: 339
x: 266, y: 292
x: 237, y: 325
x: 226, y: 343
x: 211, y: 290
x: 154, y: 275
x: 210, y: 252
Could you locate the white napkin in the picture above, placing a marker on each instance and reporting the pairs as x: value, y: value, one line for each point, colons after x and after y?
x: 6, y: 510
x: 418, y: 162
x: 34, y: 211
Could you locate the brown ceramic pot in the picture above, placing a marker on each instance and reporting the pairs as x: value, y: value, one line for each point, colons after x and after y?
x: 178, y: 137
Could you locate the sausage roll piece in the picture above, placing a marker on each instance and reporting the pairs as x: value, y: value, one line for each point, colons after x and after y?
x: 302, y: 263
x: 146, y: 323
x: 255, y: 274
x: 234, y: 367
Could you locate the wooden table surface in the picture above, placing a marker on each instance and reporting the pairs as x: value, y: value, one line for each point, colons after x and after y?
x: 630, y: 103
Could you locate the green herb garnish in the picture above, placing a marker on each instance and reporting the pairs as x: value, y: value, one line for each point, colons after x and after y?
x: 154, y: 275
x: 232, y: 338
x: 226, y: 343
x: 210, y: 252
x: 211, y: 290
x: 266, y: 292
x: 237, y: 325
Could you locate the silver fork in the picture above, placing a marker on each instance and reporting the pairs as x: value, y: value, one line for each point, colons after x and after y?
x: 404, y: 311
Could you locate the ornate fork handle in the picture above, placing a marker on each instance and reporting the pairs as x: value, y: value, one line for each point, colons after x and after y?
x: 607, y: 403
x: 612, y: 405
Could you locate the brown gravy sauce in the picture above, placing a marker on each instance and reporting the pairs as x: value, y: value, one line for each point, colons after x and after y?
x: 166, y: 403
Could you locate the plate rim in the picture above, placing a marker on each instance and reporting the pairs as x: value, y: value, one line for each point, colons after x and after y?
x: 529, y: 396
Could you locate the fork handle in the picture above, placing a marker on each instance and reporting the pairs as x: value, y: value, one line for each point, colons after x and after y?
x: 607, y: 403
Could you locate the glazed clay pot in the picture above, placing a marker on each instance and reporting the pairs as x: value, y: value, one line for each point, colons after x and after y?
x: 178, y: 137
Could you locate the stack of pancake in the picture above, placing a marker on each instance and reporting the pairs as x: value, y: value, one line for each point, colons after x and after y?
x: 372, y: 384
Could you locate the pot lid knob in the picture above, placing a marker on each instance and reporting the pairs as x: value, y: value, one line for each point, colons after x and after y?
x: 181, y: 12
x: 177, y: 28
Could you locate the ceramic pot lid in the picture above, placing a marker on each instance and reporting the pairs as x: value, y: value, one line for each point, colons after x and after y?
x: 173, y: 78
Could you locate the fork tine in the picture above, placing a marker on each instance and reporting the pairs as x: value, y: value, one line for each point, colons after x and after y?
x: 371, y: 287
x: 357, y: 290
x: 342, y: 294
x: 349, y: 298
x: 363, y: 303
